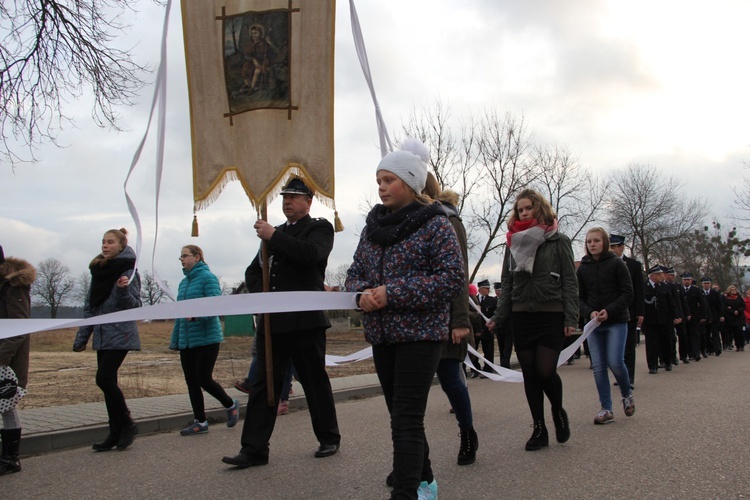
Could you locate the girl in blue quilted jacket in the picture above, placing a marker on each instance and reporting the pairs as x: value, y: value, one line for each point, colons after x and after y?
x: 198, y: 340
x: 408, y: 268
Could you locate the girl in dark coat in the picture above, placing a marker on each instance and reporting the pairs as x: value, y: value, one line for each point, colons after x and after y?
x: 605, y: 290
x: 112, y: 290
x: 539, y: 293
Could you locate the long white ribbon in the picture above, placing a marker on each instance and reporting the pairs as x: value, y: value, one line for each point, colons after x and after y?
x: 225, y: 305
x: 258, y: 303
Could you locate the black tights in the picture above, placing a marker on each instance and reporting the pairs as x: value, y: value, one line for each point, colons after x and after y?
x: 108, y: 362
x: 539, y: 366
x: 198, y: 367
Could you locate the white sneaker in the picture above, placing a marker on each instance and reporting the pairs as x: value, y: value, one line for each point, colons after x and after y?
x: 427, y: 491
x: 604, y: 417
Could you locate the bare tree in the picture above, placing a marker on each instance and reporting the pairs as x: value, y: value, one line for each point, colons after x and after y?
x: 721, y: 253
x: 337, y: 277
x: 54, y: 52
x: 742, y: 199
x: 576, y: 194
x: 82, y: 285
x: 651, y: 209
x: 506, y: 167
x: 227, y: 288
x: 453, y: 158
x: 53, y: 284
x: 151, y: 292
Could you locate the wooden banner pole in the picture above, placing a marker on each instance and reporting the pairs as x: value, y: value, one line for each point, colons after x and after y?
x: 267, y: 317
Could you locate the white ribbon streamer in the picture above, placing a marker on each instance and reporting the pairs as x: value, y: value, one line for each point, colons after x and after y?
x: 359, y: 45
x: 160, y: 97
x: 362, y: 355
x: 225, y: 305
x: 508, y: 375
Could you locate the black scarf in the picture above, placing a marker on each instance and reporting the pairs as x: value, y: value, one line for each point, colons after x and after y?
x: 387, y: 228
x: 104, y: 275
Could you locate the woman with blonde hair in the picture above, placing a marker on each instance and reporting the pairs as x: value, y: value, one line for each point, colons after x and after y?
x: 115, y: 286
x: 539, y: 292
x: 199, y: 340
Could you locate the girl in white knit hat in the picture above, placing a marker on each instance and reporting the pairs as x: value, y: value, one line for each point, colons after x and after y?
x: 407, y: 267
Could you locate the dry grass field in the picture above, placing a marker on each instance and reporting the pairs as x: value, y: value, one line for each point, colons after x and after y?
x: 59, y: 376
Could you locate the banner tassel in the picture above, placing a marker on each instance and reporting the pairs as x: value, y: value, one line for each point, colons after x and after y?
x: 337, y: 225
x: 194, y: 233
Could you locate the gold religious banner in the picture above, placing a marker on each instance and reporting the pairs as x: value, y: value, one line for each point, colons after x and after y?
x: 260, y: 79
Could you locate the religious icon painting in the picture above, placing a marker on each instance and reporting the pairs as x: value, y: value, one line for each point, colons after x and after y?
x: 256, y: 60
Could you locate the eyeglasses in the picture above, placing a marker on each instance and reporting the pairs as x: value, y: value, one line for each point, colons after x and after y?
x: 185, y: 256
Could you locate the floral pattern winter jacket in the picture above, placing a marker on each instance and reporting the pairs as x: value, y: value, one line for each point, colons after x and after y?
x: 422, y: 274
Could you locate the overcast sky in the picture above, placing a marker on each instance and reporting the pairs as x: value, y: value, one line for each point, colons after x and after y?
x: 655, y: 82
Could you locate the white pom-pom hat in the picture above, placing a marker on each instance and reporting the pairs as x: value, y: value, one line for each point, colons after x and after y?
x: 408, y: 163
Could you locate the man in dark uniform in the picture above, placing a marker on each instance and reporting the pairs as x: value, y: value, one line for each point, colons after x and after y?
x: 617, y: 245
x: 298, y: 255
x: 698, y: 307
x: 659, y: 316
x: 485, y: 337
x: 679, y: 333
x: 715, y: 316
x: 504, y: 335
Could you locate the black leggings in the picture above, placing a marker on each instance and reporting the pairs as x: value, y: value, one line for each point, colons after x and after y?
x: 108, y: 362
x: 198, y: 367
x: 539, y: 366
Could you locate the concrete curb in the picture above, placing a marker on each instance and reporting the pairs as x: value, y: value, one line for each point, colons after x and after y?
x: 45, y: 442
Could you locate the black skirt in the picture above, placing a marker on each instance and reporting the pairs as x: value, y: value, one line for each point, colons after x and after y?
x: 538, y: 329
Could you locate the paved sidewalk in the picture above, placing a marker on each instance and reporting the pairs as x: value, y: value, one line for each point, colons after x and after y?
x: 60, y: 427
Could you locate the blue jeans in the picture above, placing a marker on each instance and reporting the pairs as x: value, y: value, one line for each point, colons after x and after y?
x: 455, y: 388
x: 287, y: 387
x: 607, y: 348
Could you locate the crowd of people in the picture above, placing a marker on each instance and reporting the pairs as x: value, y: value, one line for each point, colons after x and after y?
x: 409, y: 272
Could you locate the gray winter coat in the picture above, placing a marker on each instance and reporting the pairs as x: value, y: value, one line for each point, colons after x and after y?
x: 112, y: 336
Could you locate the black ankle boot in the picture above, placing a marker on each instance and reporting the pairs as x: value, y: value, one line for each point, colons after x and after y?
x: 9, y: 462
x: 127, y: 436
x: 469, y: 446
x: 562, y: 428
x: 539, y: 438
x: 110, y: 441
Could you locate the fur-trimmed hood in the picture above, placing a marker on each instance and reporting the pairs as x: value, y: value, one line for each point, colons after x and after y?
x: 17, y: 271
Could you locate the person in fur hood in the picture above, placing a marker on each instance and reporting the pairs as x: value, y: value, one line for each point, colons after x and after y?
x: 16, y: 277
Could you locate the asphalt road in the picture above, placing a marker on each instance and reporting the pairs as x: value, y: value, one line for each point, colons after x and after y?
x: 688, y: 439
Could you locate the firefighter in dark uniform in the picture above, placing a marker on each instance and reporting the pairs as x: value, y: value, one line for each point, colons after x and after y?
x: 698, y: 307
x: 659, y: 316
x: 636, y: 307
x: 298, y: 255
x: 711, y: 342
x: 680, y: 334
x: 485, y: 337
